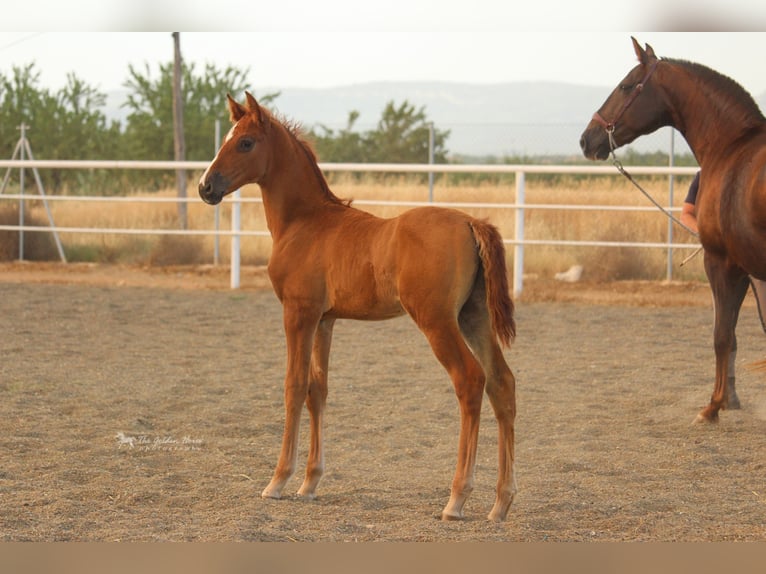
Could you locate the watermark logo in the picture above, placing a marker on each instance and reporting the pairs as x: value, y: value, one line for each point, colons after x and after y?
x: 167, y: 443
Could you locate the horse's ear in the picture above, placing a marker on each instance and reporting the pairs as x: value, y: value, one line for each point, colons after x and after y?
x: 643, y: 55
x: 254, y: 107
x: 640, y: 53
x: 236, y: 110
x: 251, y: 102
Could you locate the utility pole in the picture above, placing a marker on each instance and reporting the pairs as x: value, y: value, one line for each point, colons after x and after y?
x: 178, y: 129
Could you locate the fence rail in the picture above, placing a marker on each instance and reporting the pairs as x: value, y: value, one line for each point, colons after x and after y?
x: 519, y: 206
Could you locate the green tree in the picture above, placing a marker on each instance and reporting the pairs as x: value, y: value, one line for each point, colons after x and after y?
x: 345, y: 145
x: 20, y: 102
x: 67, y: 124
x: 149, y: 130
x: 81, y: 131
x: 402, y: 136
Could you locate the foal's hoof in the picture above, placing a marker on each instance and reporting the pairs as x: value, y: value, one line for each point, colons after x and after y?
x: 498, y: 514
x: 705, y: 417
x: 270, y: 493
x: 454, y: 509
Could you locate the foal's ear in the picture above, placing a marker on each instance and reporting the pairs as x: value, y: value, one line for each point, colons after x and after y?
x: 643, y: 55
x: 236, y: 110
x: 253, y: 106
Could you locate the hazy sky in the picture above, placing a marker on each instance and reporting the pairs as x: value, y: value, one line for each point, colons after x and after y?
x: 310, y: 43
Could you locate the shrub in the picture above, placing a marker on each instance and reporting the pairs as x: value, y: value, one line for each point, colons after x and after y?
x: 38, y: 245
x: 177, y: 250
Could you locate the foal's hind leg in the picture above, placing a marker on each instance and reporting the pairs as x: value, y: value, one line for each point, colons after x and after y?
x: 315, y: 402
x: 501, y: 389
x: 467, y: 377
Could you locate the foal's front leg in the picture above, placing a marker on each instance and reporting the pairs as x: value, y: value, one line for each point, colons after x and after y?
x: 300, y: 328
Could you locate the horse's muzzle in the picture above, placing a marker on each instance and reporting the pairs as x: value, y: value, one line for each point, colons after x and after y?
x: 594, y: 143
x: 212, y: 188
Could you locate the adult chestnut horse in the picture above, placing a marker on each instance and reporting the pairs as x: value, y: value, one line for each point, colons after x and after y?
x: 727, y: 133
x: 331, y: 261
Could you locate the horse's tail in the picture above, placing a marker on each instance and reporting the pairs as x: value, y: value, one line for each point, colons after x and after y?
x: 499, y: 302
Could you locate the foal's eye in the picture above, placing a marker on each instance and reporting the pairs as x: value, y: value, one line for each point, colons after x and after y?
x: 245, y: 144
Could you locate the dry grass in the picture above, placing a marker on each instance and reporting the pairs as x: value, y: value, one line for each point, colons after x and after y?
x: 600, y: 263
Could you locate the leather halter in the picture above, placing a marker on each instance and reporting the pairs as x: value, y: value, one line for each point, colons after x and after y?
x: 609, y: 126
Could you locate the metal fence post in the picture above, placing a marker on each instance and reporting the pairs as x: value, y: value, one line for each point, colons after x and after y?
x: 430, y: 162
x: 217, y: 212
x: 23, y: 127
x: 236, y: 227
x: 671, y: 163
x: 518, y: 248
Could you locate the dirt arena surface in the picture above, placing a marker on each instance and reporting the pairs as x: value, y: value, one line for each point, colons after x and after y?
x: 145, y: 404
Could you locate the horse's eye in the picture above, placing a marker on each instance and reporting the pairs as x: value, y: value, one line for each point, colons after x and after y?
x: 245, y: 144
x: 626, y: 87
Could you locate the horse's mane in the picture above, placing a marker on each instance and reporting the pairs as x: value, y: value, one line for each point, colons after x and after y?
x: 736, y: 99
x: 296, y: 132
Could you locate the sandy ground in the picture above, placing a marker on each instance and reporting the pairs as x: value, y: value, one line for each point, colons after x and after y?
x: 146, y: 404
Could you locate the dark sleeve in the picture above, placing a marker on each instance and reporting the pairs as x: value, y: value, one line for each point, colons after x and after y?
x: 691, y: 197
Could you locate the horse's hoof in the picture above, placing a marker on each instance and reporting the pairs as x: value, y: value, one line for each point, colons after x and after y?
x: 453, y: 510
x: 498, y: 515
x: 272, y: 494
x: 704, y: 418
x: 452, y: 514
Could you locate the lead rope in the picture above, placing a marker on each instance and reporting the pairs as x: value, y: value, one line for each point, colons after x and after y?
x: 616, y: 162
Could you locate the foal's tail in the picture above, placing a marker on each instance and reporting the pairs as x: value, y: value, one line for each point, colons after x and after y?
x: 499, y: 302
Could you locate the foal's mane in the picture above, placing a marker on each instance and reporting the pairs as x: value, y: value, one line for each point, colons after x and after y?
x: 296, y: 133
x: 738, y: 101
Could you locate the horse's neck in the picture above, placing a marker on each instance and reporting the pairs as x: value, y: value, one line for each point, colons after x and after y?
x: 292, y: 189
x: 708, y: 118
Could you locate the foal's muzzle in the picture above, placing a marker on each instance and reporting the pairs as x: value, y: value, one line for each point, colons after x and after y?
x: 212, y: 188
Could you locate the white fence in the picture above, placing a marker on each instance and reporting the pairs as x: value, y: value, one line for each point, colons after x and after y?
x: 519, y: 205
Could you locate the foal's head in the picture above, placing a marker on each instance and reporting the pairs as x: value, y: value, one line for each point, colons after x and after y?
x: 244, y: 155
x: 634, y: 108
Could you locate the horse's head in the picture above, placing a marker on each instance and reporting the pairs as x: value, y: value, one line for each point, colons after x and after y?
x: 244, y: 154
x: 634, y: 108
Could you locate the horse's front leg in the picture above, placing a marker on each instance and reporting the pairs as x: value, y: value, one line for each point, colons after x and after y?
x: 300, y: 328
x: 315, y: 402
x: 729, y: 286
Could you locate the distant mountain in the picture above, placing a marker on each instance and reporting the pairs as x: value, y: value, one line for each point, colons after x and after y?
x: 512, y: 119
x: 500, y: 119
